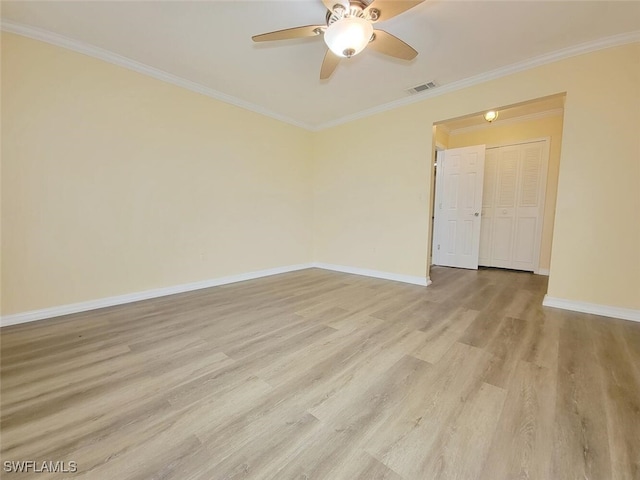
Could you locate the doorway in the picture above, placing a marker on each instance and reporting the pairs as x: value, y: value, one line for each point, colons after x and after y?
x: 518, y: 188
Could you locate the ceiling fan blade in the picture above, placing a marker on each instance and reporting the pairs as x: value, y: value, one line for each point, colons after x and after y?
x: 329, y: 64
x: 386, y: 43
x: 330, y: 4
x: 288, y: 33
x: 390, y: 8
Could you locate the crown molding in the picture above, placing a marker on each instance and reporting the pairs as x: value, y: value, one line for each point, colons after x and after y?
x: 556, y: 112
x: 113, y: 58
x: 587, y: 47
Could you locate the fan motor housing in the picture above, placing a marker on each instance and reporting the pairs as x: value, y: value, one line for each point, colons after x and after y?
x: 356, y: 9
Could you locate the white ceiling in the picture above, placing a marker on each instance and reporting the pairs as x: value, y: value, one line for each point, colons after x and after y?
x: 209, y: 43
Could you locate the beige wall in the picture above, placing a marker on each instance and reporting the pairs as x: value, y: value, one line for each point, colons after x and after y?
x: 372, y: 194
x: 114, y: 183
x: 371, y: 197
x: 500, y: 134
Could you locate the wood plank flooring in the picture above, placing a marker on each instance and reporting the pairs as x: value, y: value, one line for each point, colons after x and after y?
x: 324, y: 375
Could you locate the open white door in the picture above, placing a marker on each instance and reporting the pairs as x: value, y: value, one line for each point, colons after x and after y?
x: 458, y: 206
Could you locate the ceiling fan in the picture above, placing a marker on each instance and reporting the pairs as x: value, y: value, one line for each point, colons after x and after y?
x: 349, y: 29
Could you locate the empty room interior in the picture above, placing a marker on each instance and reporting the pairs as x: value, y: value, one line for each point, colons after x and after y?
x: 320, y: 239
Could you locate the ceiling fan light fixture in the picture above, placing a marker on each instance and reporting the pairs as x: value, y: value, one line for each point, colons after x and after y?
x: 491, y: 115
x: 348, y: 36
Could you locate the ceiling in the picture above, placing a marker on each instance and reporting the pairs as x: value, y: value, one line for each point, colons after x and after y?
x: 209, y: 43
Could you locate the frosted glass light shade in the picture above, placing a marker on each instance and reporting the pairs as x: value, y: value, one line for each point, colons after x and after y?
x: 348, y: 36
x: 491, y: 115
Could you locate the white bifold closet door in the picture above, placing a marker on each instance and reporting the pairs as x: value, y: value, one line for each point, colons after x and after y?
x: 513, y: 205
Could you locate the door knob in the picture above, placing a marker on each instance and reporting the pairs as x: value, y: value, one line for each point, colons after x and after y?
x: 476, y: 214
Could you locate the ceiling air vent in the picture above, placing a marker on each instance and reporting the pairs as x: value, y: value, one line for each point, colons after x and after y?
x: 422, y: 87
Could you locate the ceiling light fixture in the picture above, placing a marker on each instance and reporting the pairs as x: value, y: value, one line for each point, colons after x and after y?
x: 491, y: 115
x: 348, y: 36
x: 349, y: 29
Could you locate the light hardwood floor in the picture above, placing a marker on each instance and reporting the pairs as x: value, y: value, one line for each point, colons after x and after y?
x: 323, y: 375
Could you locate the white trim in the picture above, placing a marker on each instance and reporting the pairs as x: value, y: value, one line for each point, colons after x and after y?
x: 114, y: 58
x: 601, y: 44
x: 34, y: 315
x: 398, y: 277
x: 557, y: 112
x: 519, y: 142
x: 592, y: 308
x: 435, y: 253
x: 542, y: 271
x: 58, y: 311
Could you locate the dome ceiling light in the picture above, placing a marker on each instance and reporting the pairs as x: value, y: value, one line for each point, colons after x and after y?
x: 491, y: 116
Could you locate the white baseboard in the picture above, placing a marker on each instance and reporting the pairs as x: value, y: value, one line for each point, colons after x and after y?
x: 423, y: 281
x: 593, y: 308
x: 542, y: 271
x: 577, y: 306
x: 58, y: 311
x: 135, y: 297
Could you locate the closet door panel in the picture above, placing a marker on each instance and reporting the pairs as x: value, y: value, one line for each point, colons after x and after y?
x: 508, y: 161
x: 486, y: 230
x: 501, y: 251
x: 529, y: 208
x: 531, y: 176
x: 512, y: 206
x: 523, y: 255
x: 488, y: 200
